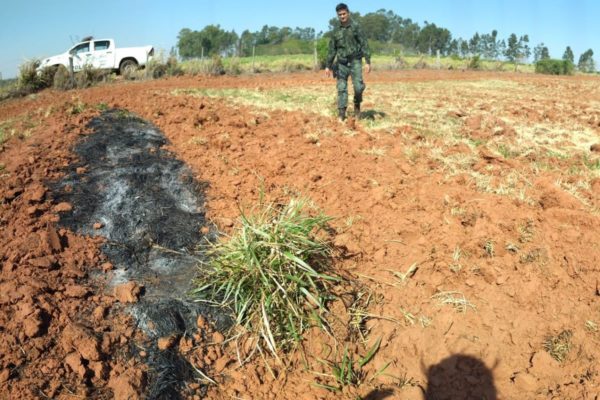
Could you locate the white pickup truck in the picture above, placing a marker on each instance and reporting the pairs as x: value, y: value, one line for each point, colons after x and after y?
x: 101, y: 54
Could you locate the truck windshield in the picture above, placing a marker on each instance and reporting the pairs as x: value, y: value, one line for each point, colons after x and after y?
x: 81, y: 48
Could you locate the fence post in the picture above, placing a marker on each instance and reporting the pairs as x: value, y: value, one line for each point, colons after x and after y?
x: 71, y: 71
x: 253, y: 54
x: 316, y: 67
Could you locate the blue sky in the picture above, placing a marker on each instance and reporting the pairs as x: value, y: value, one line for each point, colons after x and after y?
x: 39, y: 28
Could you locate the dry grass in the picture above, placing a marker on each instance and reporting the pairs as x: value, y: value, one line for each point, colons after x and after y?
x: 375, y: 151
x: 456, y: 266
x: 591, y: 326
x: 526, y: 123
x: 403, y: 277
x: 316, y: 100
x: 559, y: 346
x: 455, y: 299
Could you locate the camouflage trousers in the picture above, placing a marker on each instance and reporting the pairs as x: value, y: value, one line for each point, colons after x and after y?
x: 354, y: 70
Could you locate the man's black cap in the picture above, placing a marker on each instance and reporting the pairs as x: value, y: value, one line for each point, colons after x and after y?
x: 341, y: 6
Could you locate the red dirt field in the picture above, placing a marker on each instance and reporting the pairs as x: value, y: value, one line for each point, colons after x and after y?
x: 503, y: 270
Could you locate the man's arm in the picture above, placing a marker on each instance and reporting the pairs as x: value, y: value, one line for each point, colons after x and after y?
x: 364, y: 48
x: 330, y: 57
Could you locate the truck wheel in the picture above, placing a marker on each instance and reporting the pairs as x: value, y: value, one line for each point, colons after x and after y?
x: 128, y: 66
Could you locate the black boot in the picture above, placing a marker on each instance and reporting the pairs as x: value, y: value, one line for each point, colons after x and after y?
x: 357, y: 110
x: 342, y: 114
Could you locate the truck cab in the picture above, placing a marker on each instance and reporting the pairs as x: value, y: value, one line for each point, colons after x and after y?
x: 98, y: 53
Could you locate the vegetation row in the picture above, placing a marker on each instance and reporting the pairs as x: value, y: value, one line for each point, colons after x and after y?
x: 388, y: 33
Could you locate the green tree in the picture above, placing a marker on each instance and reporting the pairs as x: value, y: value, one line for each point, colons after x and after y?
x: 517, y: 49
x: 272, y: 35
x: 303, y: 33
x: 475, y: 44
x: 501, y: 48
x: 568, y: 55
x: 212, y: 40
x: 376, y: 26
x: 188, y: 43
x: 217, y: 41
x: 545, y: 53
x: 488, y: 45
x: 247, y: 41
x: 525, y: 50
x: 512, y: 51
x: 586, y: 61
x: 432, y: 39
x: 407, y: 34
x: 464, y: 48
x: 453, y: 49
x: 494, y: 45
x: 396, y: 23
x: 540, y: 52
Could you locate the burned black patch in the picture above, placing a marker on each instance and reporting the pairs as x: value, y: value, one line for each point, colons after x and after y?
x: 127, y: 188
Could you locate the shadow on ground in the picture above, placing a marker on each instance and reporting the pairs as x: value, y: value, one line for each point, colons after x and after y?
x: 372, y: 115
x: 379, y: 394
x: 460, y: 377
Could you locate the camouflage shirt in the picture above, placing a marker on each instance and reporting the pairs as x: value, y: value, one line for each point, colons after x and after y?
x: 347, y: 43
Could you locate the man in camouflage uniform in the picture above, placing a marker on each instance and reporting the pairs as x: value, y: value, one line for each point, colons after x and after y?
x: 347, y: 46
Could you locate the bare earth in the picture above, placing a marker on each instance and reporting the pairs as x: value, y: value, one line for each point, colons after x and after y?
x: 467, y: 214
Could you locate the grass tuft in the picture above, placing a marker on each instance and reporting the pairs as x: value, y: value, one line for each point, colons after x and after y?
x: 455, y: 299
x: 489, y: 248
x: 271, y: 273
x: 347, y: 371
x: 590, y: 326
x: 559, y: 346
x: 89, y: 76
x: 29, y: 80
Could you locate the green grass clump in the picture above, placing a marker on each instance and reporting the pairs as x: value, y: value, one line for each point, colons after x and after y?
x: 475, y: 62
x: 347, y: 371
x: 270, y: 273
x: 591, y: 164
x: 554, y: 67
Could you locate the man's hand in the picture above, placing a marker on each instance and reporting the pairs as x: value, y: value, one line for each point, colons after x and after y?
x: 367, y: 68
x: 328, y: 72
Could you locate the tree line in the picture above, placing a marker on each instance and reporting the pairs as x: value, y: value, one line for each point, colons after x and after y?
x: 383, y: 28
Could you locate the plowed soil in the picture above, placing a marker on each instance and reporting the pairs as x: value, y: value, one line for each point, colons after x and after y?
x: 467, y: 215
